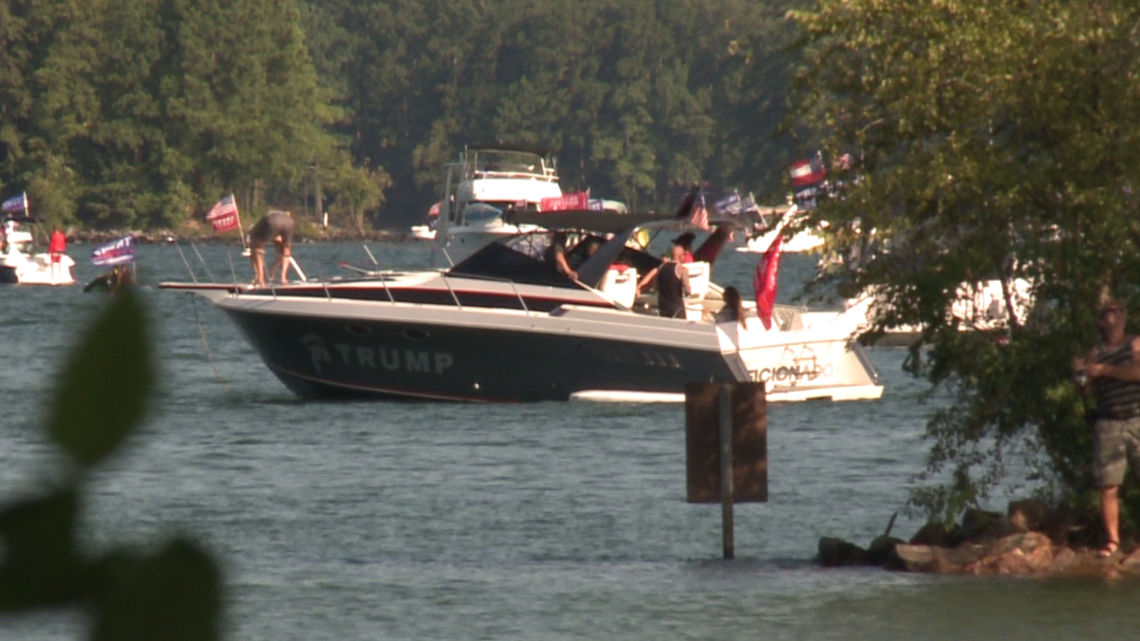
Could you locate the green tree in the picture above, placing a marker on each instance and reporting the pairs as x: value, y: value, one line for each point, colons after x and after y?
x: 991, y: 140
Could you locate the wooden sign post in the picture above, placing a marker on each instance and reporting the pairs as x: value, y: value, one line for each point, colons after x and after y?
x: 726, y: 435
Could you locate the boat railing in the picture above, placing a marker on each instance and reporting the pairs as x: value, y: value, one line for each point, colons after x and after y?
x: 446, y: 281
x: 492, y: 279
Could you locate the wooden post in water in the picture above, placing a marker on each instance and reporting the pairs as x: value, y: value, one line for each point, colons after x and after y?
x: 725, y: 433
x: 726, y: 441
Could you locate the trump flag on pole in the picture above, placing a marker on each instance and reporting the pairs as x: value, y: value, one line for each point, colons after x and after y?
x: 807, y: 172
x: 15, y: 203
x: 224, y: 215
x: 765, y: 281
x: 115, y: 252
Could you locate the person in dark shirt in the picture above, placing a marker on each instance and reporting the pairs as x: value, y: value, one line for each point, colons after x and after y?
x: 276, y: 226
x: 1112, y: 372
x: 672, y: 283
x: 556, y: 256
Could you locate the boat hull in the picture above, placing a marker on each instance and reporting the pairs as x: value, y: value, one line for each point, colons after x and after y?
x: 17, y: 269
x: 519, y: 357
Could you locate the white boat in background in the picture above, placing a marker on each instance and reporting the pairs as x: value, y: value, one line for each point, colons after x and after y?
x: 426, y: 231
x: 979, y: 306
x: 21, y: 264
x: 505, y: 325
x: 806, y: 240
x: 481, y: 189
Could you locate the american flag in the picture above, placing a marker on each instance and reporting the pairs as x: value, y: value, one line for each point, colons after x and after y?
x: 224, y: 215
x: 700, y: 215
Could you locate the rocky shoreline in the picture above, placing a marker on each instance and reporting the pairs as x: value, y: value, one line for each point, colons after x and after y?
x: 1029, y: 539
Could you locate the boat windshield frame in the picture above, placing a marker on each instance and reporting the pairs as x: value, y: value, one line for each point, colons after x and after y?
x: 524, y: 257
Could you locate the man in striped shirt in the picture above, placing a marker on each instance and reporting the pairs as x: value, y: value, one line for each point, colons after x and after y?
x: 1112, y: 371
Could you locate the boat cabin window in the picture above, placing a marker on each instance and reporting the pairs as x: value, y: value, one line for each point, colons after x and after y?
x: 481, y: 213
x: 508, y: 162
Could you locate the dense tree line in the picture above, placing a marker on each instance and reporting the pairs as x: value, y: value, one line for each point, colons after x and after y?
x: 142, y: 113
x: 991, y: 140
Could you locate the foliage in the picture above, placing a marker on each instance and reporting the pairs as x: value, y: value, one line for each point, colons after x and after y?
x: 639, y: 99
x: 991, y: 140
x: 171, y: 593
x: 142, y: 113
x: 137, y: 114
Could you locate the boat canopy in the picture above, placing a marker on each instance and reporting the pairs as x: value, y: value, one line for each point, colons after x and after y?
x: 601, y: 240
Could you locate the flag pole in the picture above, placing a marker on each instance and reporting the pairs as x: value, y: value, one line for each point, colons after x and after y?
x: 241, y: 231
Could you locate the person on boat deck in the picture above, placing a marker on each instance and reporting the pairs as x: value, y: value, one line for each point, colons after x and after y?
x: 556, y: 256
x: 685, y: 240
x: 733, y: 310
x: 56, y: 247
x: 672, y: 283
x: 1112, y: 371
x: 277, y: 225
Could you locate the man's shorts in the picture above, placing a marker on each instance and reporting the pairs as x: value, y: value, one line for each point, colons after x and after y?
x: 1116, y: 446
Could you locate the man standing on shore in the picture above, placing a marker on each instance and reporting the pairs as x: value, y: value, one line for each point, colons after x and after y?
x: 1112, y: 371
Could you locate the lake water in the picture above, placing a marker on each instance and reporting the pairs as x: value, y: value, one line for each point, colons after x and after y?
x: 362, y: 521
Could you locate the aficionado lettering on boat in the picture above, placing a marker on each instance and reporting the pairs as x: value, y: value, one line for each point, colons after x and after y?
x: 1112, y: 371
x: 277, y: 225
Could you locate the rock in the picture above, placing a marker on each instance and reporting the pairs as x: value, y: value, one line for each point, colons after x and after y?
x: 928, y: 558
x: 1065, y: 559
x: 1131, y: 561
x: 980, y: 525
x: 838, y: 553
x: 933, y: 533
x: 882, y: 551
x: 1028, y: 514
x: 1027, y: 542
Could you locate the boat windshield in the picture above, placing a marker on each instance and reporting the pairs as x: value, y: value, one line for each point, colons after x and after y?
x: 520, y: 258
x: 509, y: 162
x: 527, y: 258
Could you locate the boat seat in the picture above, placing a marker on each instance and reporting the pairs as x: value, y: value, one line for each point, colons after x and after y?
x: 620, y: 283
x: 698, y: 279
x: 698, y: 289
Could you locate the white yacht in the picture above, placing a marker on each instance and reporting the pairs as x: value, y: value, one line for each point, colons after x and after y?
x: 21, y: 264
x: 481, y: 188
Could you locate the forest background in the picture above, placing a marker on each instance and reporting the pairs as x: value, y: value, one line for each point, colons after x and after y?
x: 141, y: 114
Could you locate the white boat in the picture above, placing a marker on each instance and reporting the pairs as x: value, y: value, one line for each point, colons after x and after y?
x: 806, y: 240
x: 426, y: 231
x: 21, y: 264
x: 977, y: 307
x: 481, y: 189
x: 505, y: 326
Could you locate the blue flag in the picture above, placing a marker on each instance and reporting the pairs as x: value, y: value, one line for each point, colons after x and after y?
x: 15, y: 203
x: 115, y: 252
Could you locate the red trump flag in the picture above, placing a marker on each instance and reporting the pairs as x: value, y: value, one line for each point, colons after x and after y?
x: 224, y: 215
x: 765, y: 280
